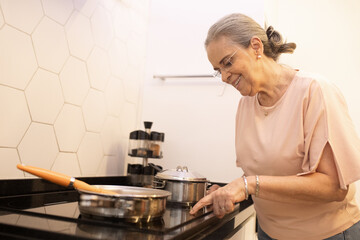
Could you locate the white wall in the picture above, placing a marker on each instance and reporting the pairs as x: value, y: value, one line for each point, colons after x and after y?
x: 197, y: 115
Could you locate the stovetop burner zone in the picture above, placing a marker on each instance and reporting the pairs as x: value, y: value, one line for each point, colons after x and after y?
x: 64, y: 206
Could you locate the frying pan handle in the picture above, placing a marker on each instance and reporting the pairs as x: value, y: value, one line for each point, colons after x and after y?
x: 57, y: 178
x: 62, y: 179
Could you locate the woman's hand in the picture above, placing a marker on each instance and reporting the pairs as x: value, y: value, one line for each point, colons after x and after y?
x: 223, y: 199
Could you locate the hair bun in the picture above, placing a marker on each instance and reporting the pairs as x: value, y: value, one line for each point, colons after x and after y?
x: 270, y: 32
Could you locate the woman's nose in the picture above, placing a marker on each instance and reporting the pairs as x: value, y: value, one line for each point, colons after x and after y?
x: 225, y: 76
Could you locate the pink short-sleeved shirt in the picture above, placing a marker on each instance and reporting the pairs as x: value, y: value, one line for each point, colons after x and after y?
x: 288, y: 139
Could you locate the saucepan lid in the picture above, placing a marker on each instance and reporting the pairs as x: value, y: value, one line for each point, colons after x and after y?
x: 181, y: 174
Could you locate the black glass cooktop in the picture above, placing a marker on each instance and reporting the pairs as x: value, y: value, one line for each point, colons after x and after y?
x: 54, y: 214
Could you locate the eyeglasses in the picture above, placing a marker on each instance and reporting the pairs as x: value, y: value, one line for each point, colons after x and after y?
x: 227, y: 65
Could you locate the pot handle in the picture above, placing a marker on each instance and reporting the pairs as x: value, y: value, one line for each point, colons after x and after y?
x: 182, y: 169
x: 158, y: 184
x: 157, y: 168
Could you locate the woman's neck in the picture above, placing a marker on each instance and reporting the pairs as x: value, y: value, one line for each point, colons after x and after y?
x: 275, y: 84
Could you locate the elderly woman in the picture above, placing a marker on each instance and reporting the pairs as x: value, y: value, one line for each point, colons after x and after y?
x: 294, y: 141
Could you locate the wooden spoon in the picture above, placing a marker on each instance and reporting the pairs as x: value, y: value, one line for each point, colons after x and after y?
x: 62, y: 179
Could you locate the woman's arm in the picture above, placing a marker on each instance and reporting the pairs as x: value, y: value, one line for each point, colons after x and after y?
x: 321, y: 186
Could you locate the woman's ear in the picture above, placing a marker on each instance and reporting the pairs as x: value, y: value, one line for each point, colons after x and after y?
x: 257, y: 45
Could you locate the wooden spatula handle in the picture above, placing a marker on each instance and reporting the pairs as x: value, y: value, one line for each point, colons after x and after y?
x: 57, y: 178
x: 62, y: 179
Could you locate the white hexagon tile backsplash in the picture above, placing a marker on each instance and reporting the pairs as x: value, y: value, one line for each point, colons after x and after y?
x: 74, y: 80
x: 69, y: 128
x: 24, y: 15
x: 80, y: 37
x: 14, y: 118
x: 71, y: 72
x: 98, y: 67
x: 102, y: 27
x: 39, y: 146
x: 94, y: 110
x: 86, y: 7
x: 122, y: 22
x: 114, y: 94
x: 1, y: 20
x: 52, y: 50
x: 17, y: 61
x: 58, y: 10
x: 44, y: 96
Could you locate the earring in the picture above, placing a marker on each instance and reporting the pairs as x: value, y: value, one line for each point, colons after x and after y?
x: 258, y: 56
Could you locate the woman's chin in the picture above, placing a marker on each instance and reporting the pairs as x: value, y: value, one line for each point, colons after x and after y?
x: 244, y: 92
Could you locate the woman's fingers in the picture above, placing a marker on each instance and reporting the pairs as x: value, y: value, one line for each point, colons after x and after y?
x: 220, y: 200
x: 229, y: 206
x: 205, y: 201
x: 220, y: 208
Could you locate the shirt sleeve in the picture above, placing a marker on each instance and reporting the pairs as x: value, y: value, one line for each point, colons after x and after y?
x: 327, y: 120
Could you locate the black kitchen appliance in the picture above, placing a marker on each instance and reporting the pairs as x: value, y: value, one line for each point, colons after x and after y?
x: 38, y: 209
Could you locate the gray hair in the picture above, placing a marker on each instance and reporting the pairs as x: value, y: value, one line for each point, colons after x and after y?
x: 240, y: 28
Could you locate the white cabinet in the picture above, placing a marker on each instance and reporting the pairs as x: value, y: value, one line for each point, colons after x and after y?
x: 244, y: 227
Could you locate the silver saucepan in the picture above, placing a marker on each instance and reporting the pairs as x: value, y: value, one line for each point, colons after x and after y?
x: 186, y: 187
x: 129, y: 203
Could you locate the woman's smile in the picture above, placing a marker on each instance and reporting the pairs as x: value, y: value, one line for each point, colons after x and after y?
x: 237, y: 81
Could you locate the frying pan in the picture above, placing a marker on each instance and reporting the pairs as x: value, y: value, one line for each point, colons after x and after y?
x: 132, y: 204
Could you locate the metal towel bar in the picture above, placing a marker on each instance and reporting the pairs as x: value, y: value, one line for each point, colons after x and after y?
x: 164, y: 77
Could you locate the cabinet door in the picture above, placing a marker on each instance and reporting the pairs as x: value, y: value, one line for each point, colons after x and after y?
x: 244, y: 225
